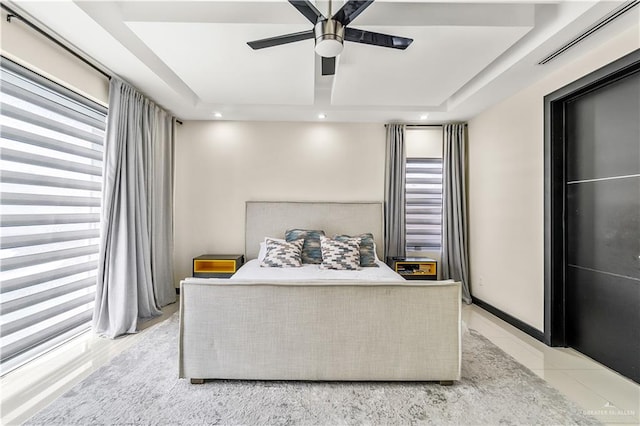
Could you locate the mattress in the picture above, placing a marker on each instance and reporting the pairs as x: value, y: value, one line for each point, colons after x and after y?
x: 253, y: 271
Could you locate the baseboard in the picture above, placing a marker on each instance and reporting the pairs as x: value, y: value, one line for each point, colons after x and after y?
x: 522, y: 326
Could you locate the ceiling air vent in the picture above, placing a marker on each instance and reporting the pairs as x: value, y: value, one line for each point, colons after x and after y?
x: 626, y: 7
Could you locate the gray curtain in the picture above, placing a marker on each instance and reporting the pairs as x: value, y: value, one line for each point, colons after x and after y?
x: 455, y: 258
x: 394, y: 192
x: 135, y: 271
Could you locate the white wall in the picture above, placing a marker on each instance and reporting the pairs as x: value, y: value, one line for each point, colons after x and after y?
x: 220, y: 165
x: 34, y: 51
x: 506, y: 189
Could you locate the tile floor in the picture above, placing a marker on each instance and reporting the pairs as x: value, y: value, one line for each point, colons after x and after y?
x: 601, y: 392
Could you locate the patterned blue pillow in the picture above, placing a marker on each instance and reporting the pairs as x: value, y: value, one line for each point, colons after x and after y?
x: 311, y: 249
x: 282, y: 254
x: 367, y: 248
x: 340, y: 254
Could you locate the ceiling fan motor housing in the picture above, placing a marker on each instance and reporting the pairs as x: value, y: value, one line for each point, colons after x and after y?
x: 329, y: 35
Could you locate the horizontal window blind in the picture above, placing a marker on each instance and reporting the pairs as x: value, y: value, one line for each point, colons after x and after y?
x: 424, y: 204
x: 51, y: 175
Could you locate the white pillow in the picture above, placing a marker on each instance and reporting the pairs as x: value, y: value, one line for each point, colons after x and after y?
x: 262, y: 252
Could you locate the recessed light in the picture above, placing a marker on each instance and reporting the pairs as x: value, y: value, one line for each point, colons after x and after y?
x: 217, y: 114
x: 424, y: 116
x: 322, y: 116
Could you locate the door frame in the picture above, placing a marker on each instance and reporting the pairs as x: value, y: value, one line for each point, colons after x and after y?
x: 554, y: 188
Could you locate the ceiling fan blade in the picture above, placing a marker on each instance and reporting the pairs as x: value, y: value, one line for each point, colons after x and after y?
x: 328, y: 66
x: 283, y: 39
x: 376, y: 39
x: 308, y: 10
x: 350, y: 10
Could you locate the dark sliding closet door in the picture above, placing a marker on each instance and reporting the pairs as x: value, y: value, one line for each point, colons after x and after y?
x: 602, y: 299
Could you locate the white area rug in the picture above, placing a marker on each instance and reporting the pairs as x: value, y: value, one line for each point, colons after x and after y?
x: 141, y: 387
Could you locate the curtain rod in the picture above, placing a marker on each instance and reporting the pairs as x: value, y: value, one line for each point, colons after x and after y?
x: 12, y: 14
x: 424, y: 125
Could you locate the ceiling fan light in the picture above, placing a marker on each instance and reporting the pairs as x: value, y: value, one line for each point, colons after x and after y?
x: 328, y: 48
x: 329, y: 37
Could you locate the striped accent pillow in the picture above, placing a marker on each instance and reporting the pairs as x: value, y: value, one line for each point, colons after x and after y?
x: 367, y: 248
x: 344, y: 255
x: 282, y: 254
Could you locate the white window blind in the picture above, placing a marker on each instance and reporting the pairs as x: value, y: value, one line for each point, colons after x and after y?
x: 51, y: 176
x: 424, y: 204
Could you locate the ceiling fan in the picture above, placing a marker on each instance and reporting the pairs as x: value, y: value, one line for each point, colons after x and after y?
x: 330, y: 33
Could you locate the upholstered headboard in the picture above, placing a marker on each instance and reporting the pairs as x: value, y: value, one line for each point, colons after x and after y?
x: 273, y: 218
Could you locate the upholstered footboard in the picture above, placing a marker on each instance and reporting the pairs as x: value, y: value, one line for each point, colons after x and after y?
x: 320, y: 330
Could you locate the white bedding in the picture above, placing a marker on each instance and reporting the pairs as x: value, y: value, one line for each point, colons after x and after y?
x: 252, y: 271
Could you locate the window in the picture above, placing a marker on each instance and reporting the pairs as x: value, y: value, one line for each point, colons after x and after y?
x: 424, y: 190
x: 424, y: 204
x: 51, y: 175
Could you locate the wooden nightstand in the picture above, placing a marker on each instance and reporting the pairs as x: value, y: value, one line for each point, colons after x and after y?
x: 217, y: 265
x: 414, y: 268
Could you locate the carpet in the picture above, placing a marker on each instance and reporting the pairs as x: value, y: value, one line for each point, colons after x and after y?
x: 140, y: 387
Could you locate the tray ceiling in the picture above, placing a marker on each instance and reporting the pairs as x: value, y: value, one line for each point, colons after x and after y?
x: 192, y: 57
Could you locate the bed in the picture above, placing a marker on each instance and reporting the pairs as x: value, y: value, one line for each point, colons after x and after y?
x: 312, y: 324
